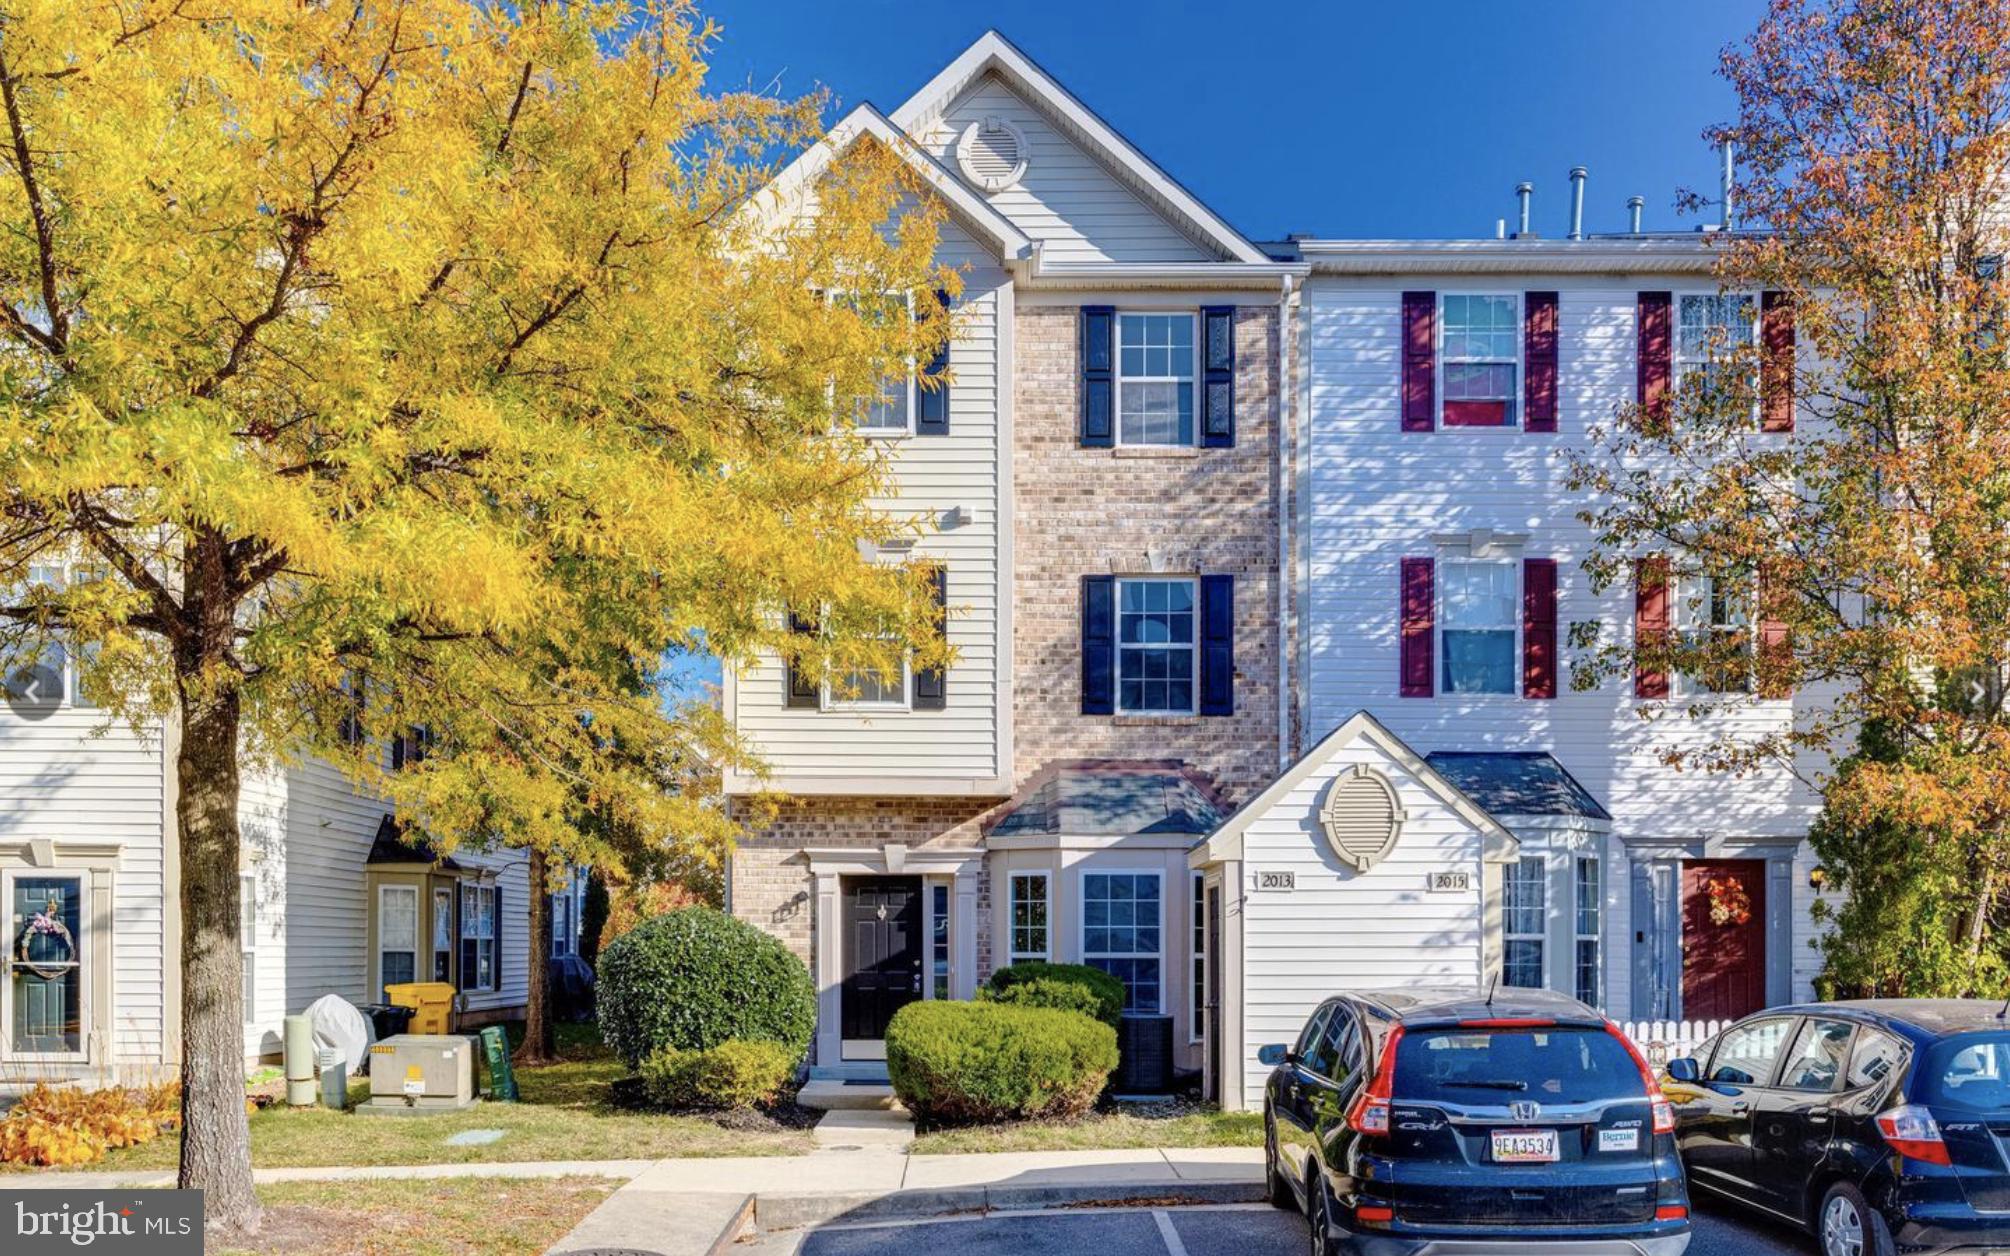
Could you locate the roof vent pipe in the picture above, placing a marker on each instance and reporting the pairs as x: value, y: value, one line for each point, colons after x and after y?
x: 1729, y: 189
x: 1634, y: 204
x: 1577, y: 177
x: 1523, y: 191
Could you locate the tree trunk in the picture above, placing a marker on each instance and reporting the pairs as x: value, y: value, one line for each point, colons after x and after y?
x: 215, y: 1137
x: 540, y: 1044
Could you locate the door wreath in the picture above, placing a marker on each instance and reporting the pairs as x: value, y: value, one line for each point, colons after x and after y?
x: 1729, y: 903
x: 46, y: 923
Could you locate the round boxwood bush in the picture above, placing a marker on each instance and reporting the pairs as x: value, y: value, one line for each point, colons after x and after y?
x: 694, y: 978
x: 1070, y: 987
x: 962, y: 1062
x: 734, y: 1074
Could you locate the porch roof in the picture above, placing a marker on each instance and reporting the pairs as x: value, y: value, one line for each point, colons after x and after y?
x: 1517, y: 783
x: 390, y: 847
x: 1112, y: 799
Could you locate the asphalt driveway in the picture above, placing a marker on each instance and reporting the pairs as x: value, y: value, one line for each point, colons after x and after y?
x: 1235, y: 1230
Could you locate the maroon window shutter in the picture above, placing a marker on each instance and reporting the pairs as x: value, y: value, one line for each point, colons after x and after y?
x: 1418, y: 622
x: 1651, y: 624
x: 1420, y: 360
x: 1655, y: 362
x: 1538, y: 627
x: 1776, y: 368
x: 1539, y: 376
x: 1775, y: 646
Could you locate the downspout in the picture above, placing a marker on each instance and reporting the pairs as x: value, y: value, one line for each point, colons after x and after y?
x: 1287, y: 302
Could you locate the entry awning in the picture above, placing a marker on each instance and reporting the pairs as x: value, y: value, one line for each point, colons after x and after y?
x: 1103, y: 798
x: 1517, y: 783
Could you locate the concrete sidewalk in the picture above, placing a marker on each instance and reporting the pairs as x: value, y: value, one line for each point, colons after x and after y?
x: 695, y: 1207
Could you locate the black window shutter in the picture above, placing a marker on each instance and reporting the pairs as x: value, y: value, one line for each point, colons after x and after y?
x: 931, y: 405
x: 803, y: 690
x: 1217, y: 645
x: 931, y: 688
x: 1099, y: 645
x: 1098, y: 429
x: 1217, y: 426
x: 496, y: 937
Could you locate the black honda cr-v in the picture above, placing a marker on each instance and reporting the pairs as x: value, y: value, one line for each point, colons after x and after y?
x: 1429, y: 1121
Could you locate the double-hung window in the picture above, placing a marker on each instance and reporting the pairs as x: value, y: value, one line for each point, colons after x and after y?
x: 1156, y: 653
x: 478, y: 938
x: 1525, y: 895
x: 1155, y: 379
x: 397, y: 934
x: 870, y: 690
x: 1480, y: 357
x: 890, y: 412
x: 1715, y: 372
x: 1721, y: 628
x: 1589, y: 971
x: 1480, y: 625
x: 563, y: 932
x: 1121, y: 922
x: 1032, y: 934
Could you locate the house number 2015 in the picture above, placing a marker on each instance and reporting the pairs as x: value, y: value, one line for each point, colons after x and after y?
x: 1276, y: 880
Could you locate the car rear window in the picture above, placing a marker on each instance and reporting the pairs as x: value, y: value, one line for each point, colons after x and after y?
x: 1476, y: 1067
x: 1972, y: 1070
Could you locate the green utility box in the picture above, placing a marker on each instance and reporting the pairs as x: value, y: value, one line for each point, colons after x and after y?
x: 502, y: 1082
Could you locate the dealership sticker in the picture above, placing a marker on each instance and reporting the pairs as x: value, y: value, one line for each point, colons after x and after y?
x: 1619, y: 1140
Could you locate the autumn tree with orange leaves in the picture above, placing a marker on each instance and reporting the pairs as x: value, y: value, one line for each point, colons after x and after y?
x: 1876, y: 539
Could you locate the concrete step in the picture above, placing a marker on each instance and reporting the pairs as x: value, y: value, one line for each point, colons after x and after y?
x: 836, y: 1096
x: 864, y: 1127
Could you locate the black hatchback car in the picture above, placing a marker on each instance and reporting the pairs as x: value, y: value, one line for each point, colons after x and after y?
x: 1879, y: 1126
x: 1433, y: 1121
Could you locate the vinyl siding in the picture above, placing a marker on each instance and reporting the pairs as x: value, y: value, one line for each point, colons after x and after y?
x: 1067, y: 201
x: 935, y: 474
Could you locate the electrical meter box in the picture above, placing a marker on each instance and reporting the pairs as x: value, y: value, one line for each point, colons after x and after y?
x: 414, y: 1073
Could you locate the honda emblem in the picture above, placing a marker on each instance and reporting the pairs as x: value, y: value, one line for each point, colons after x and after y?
x: 1523, y: 1110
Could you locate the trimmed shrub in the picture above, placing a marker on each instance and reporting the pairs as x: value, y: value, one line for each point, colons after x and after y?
x: 734, y: 1074
x: 957, y: 1062
x: 694, y: 978
x: 1069, y: 987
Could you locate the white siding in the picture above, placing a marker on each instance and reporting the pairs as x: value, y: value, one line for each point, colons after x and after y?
x: 936, y: 474
x: 1380, y: 494
x: 1343, y: 930
x: 1068, y: 201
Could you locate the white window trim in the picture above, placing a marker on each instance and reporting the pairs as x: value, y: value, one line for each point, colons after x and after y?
x: 834, y: 701
x: 1441, y: 623
x: 247, y: 940
x: 432, y: 951
x: 1680, y: 366
x: 930, y: 887
x: 883, y: 433
x: 86, y: 951
x: 1597, y: 935
x: 1117, y: 378
x: 380, y: 950
x: 1438, y: 361
x: 1541, y: 936
x: 483, y: 887
x: 1197, y: 961
x: 1692, y: 593
x: 564, y: 939
x: 1013, y: 955
x: 1193, y: 646
x: 1082, y: 900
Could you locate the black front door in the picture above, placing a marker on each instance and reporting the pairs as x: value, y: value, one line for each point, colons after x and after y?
x: 882, y: 961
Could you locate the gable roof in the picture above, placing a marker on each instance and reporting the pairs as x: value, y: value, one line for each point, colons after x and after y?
x: 1517, y: 783
x: 1498, y: 845
x: 973, y: 210
x: 993, y: 53
x: 1095, y: 798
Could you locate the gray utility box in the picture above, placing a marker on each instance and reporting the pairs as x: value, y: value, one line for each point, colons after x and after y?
x: 412, y: 1073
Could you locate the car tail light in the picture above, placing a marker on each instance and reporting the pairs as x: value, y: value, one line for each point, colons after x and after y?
x: 1664, y: 1111
x: 1671, y: 1212
x: 1913, y: 1133
x: 1370, y: 1113
x: 1371, y: 1215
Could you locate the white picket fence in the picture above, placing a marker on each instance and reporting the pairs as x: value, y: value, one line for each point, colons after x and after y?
x: 1662, y: 1041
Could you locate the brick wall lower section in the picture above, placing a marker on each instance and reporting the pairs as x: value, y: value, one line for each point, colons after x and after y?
x: 1083, y: 512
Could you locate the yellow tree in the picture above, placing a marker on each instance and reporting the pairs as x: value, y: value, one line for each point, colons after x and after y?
x: 386, y: 366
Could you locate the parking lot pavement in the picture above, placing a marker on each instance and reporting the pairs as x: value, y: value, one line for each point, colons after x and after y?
x: 1237, y: 1230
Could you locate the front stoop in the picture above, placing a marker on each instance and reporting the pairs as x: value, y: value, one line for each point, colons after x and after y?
x: 862, y: 1128
x: 830, y: 1095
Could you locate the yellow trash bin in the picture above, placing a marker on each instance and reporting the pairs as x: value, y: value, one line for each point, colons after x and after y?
x: 432, y: 1004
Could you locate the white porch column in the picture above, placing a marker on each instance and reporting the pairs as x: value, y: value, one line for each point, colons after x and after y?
x: 963, y: 937
x: 828, y: 941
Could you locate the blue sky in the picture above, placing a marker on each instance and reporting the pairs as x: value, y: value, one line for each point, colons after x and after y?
x: 1387, y: 119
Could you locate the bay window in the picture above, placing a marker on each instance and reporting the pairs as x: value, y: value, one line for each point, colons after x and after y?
x: 1027, y: 904
x: 1588, y: 977
x: 1525, y: 903
x: 397, y: 935
x: 479, y: 970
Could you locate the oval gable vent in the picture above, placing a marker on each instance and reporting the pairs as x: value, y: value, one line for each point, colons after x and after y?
x: 1362, y: 818
x: 992, y: 153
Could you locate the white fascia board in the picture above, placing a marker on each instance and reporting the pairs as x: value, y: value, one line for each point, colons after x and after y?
x: 774, y: 200
x: 993, y: 52
x: 1666, y: 255
x: 1041, y: 275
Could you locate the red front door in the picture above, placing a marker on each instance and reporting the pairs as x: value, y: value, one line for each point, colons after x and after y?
x: 1723, y: 938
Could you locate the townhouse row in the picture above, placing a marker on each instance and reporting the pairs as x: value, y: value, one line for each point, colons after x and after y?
x: 1261, y: 566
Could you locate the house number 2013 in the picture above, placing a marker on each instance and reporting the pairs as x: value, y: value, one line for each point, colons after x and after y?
x: 1276, y: 880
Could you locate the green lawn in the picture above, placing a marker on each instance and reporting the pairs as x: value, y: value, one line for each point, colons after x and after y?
x: 1101, y: 1131
x: 564, y: 1116
x: 495, y: 1216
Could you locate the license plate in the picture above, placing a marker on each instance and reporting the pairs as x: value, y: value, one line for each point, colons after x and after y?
x: 1525, y: 1147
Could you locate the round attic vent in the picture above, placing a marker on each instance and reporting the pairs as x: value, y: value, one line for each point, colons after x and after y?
x: 992, y: 153
x: 1362, y: 818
